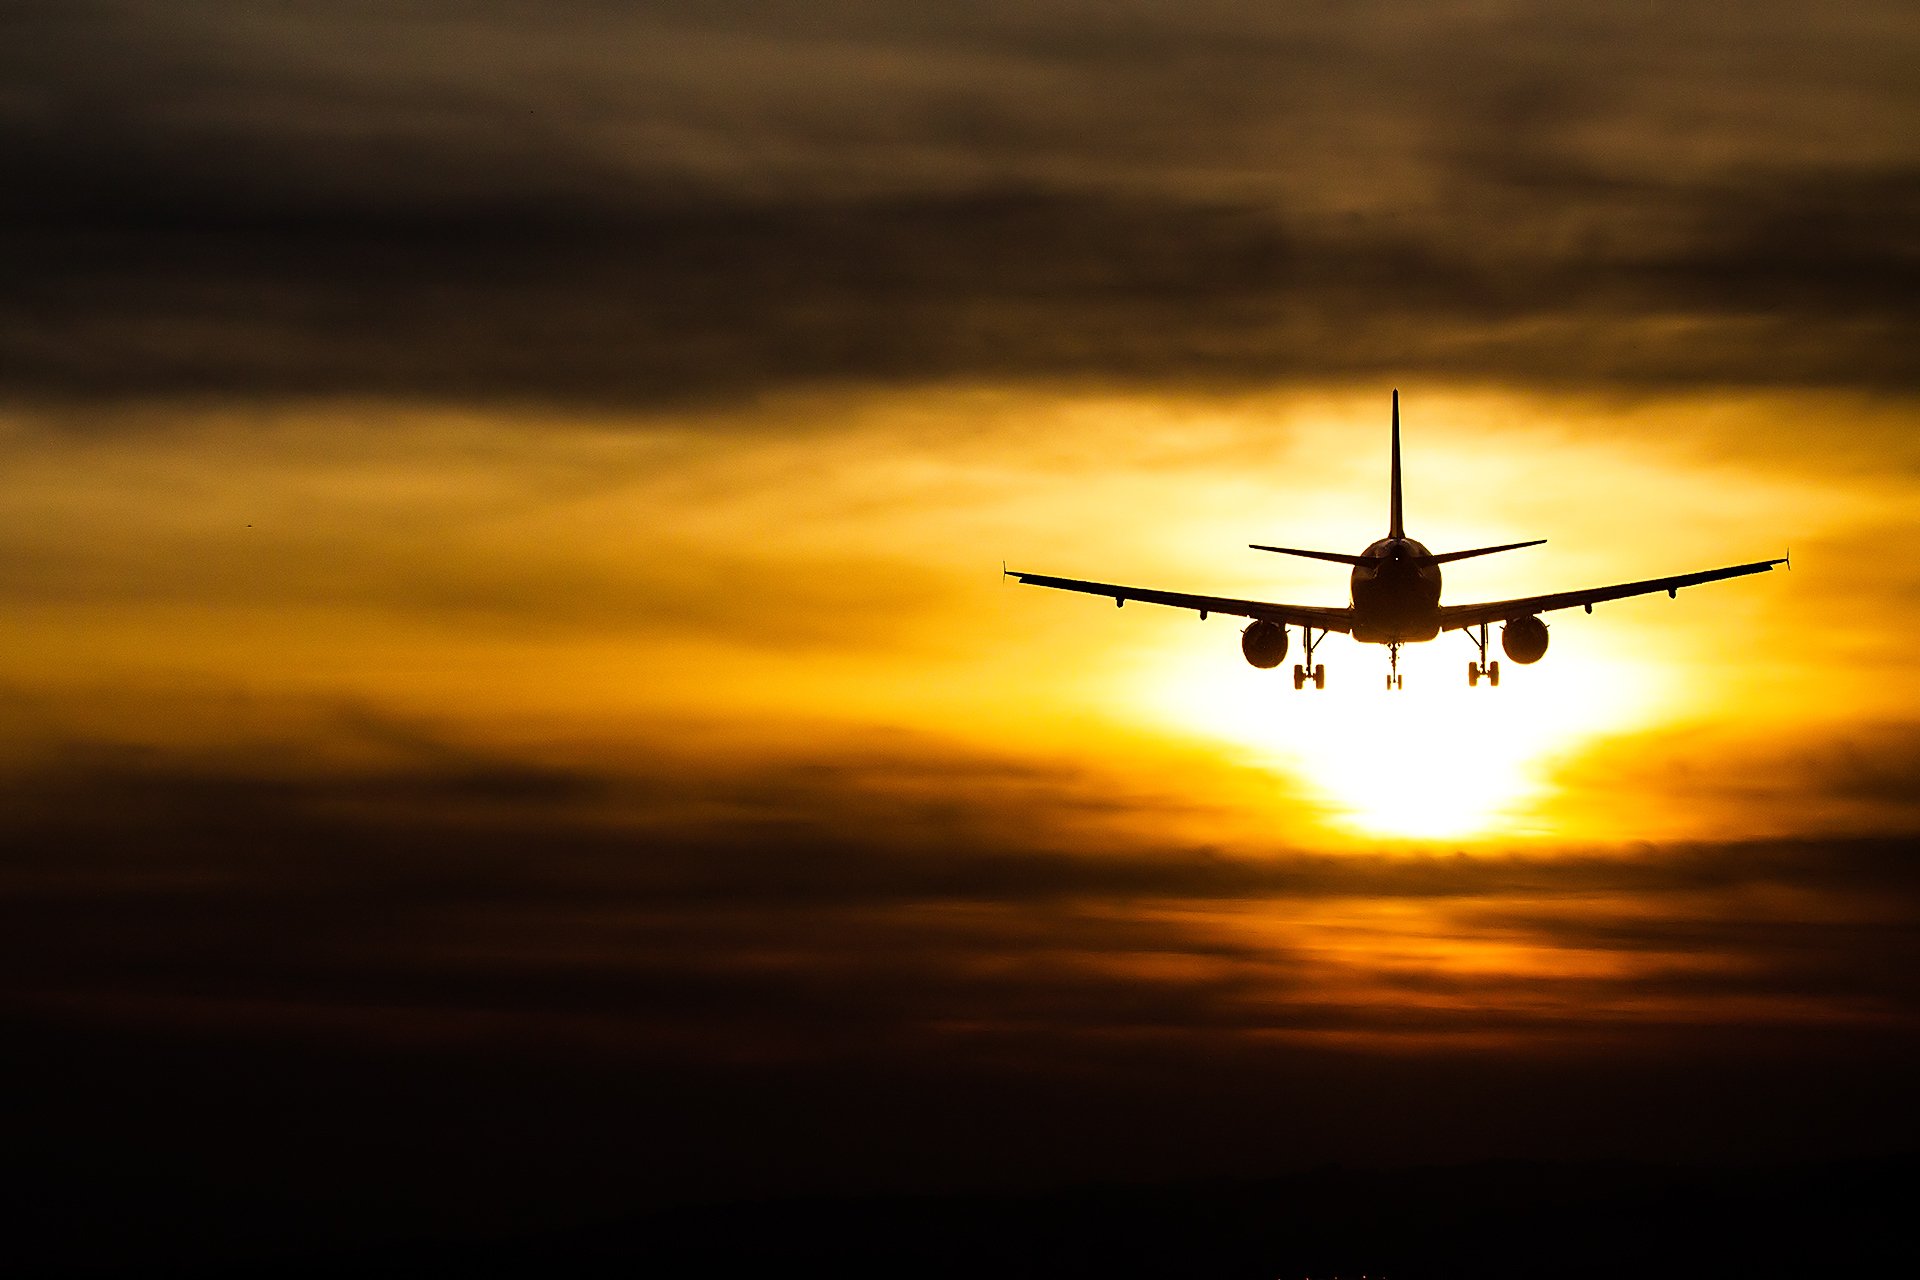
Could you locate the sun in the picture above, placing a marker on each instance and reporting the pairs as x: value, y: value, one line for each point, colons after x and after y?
x: 1436, y: 760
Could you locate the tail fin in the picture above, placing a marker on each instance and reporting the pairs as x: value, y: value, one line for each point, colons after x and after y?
x: 1394, y: 528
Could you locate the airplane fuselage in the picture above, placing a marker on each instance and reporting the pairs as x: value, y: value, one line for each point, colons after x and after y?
x: 1395, y: 598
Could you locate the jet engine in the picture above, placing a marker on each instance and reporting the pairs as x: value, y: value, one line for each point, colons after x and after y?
x: 1265, y: 644
x: 1524, y: 639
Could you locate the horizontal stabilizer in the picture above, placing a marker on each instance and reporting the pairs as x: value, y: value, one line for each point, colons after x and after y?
x: 1451, y: 556
x: 1334, y: 556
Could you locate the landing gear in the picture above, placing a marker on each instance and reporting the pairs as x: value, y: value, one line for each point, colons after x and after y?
x: 1303, y: 672
x: 1394, y: 679
x: 1481, y: 667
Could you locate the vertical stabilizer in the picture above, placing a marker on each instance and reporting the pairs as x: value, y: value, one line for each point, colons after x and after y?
x: 1394, y: 527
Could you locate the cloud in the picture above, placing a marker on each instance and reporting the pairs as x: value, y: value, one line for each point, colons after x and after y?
x: 1858, y: 777
x: 1781, y: 285
x: 408, y: 981
x: 662, y: 208
x: 707, y: 910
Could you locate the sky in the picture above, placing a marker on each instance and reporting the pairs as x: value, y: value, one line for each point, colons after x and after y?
x: 507, y: 658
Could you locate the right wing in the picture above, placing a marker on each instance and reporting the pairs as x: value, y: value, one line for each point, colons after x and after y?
x: 1473, y: 615
x: 1300, y: 615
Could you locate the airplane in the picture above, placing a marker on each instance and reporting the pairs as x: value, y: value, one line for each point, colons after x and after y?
x: 1394, y: 600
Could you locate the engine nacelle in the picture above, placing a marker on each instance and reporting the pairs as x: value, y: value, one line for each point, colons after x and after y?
x: 1265, y: 644
x: 1524, y: 639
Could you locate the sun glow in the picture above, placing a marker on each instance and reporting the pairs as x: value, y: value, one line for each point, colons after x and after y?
x: 1436, y: 760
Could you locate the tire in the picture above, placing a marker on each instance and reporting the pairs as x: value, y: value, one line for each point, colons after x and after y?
x: 1493, y: 673
x: 1299, y: 676
x: 1320, y: 676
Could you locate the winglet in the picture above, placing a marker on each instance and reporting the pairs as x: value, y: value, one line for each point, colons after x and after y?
x: 1394, y: 527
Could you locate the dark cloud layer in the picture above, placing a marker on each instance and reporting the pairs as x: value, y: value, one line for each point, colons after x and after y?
x: 345, y: 202
x: 816, y: 914
x: 341, y: 1005
x: 1776, y: 284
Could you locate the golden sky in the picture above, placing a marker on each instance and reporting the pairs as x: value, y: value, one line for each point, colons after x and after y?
x: 688, y: 625
x: 730, y: 585
x: 504, y: 509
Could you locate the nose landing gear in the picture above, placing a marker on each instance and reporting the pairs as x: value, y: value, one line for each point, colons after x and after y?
x: 1482, y: 668
x: 1394, y: 679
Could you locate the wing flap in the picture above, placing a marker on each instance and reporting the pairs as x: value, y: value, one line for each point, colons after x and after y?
x: 1302, y: 615
x: 1453, y: 617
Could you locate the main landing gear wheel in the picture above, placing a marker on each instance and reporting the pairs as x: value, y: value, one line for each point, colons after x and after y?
x: 1309, y: 670
x: 1480, y: 668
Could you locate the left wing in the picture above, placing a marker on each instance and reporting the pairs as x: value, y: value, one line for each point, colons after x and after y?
x: 1452, y: 617
x: 1302, y: 615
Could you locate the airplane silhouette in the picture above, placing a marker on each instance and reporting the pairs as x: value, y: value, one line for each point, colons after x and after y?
x: 1395, y: 600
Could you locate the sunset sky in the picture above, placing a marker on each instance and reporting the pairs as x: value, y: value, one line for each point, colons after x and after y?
x: 500, y: 588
